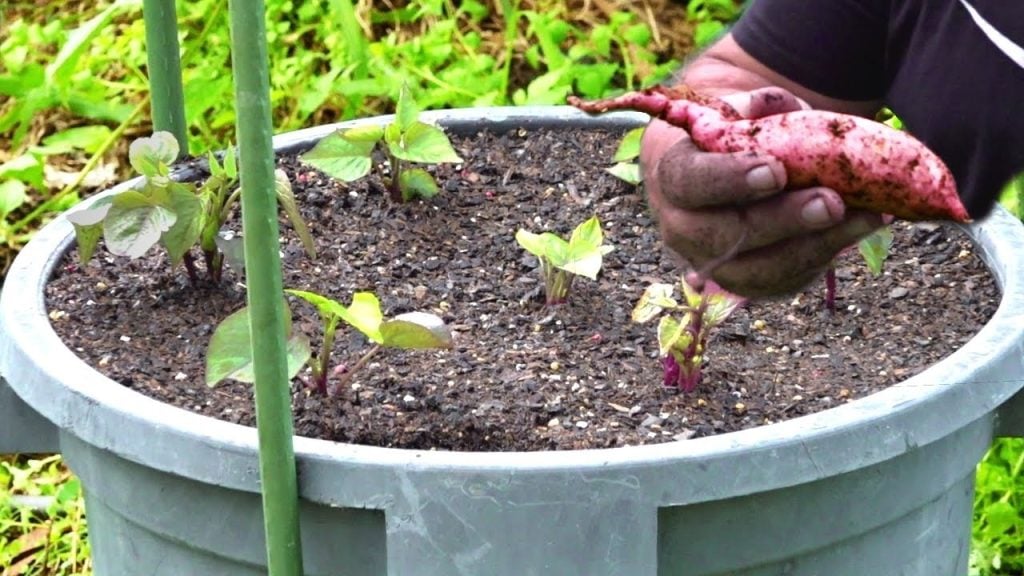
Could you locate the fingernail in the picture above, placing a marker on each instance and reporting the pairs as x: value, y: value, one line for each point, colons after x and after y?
x: 761, y: 178
x: 815, y: 213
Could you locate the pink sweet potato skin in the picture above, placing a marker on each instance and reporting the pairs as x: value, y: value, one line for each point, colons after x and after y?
x: 872, y: 166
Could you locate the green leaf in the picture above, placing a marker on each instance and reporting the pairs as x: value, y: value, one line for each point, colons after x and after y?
x: 230, y: 164
x: 188, y: 224
x: 135, y: 223
x: 345, y: 155
x: 585, y: 263
x: 363, y: 314
x: 30, y: 77
x: 88, y: 138
x: 707, y: 32
x: 1002, y: 516
x: 627, y: 172
x: 93, y: 213
x: 12, y: 196
x: 629, y: 147
x: 424, y: 143
x: 656, y: 298
x: 536, y: 244
x: 406, y: 111
x: 87, y: 238
x: 88, y: 226
x: 417, y: 183
x: 59, y: 71
x: 720, y: 306
x: 151, y: 156
x: 547, y: 89
x: 672, y: 334
x: 585, y: 251
x: 592, y: 80
x: 325, y: 306
x: 692, y: 297
x: 229, y: 355
x: 232, y: 246
x: 875, y: 249
x: 286, y: 198
x: 27, y: 168
x: 216, y: 170
x: 367, y: 133
x: 416, y: 330
x: 547, y: 246
x: 587, y: 235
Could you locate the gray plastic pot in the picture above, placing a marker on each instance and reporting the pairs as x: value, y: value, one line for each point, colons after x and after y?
x: 879, y: 486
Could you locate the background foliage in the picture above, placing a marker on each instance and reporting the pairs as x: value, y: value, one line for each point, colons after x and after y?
x: 73, y: 92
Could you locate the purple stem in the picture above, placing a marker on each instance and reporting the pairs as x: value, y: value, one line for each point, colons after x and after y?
x: 830, y: 289
x: 190, y: 268
x: 672, y: 371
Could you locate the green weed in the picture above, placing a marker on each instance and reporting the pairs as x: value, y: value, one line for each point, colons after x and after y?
x: 42, y: 519
x: 1012, y: 197
x: 998, y: 530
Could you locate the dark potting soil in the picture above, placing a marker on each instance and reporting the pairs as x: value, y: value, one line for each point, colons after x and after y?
x: 523, y: 376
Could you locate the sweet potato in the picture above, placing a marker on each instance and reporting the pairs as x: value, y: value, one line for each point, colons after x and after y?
x: 872, y: 166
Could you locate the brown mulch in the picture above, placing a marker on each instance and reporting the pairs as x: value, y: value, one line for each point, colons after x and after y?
x: 523, y: 376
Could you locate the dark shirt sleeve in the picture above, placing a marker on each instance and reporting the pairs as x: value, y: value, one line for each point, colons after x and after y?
x: 834, y: 47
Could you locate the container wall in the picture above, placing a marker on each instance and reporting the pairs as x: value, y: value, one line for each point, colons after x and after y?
x: 142, y: 521
x: 22, y: 429
x: 909, y: 516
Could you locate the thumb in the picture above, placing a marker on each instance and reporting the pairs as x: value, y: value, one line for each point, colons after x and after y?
x: 765, y: 102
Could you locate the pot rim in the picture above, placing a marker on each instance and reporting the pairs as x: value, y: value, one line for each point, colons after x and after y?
x: 949, y: 395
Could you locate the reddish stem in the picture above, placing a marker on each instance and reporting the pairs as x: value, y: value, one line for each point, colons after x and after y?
x: 830, y: 289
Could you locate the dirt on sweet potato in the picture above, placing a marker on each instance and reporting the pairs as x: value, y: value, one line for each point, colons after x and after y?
x: 871, y: 165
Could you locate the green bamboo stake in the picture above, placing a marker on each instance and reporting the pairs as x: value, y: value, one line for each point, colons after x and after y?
x: 263, y: 274
x: 164, y: 57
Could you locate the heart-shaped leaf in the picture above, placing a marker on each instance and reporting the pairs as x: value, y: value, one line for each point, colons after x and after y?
x: 655, y: 299
x: 416, y: 330
x: 189, y: 221
x: 363, y: 314
x: 135, y: 223
x: 406, y: 111
x: 627, y: 172
x: 417, y: 183
x: 629, y: 146
x: 545, y: 245
x: 672, y: 333
x: 151, y: 156
x: 229, y: 355
x: 12, y: 196
x: 424, y: 143
x: 875, y: 249
x: 585, y: 253
x: 88, y: 223
x: 345, y: 155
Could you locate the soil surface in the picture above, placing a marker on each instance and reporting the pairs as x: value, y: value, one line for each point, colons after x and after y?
x: 523, y: 376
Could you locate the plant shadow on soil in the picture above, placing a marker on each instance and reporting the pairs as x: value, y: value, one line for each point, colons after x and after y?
x: 522, y: 376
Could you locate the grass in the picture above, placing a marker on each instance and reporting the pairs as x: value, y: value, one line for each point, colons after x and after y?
x: 73, y: 91
x: 42, y: 519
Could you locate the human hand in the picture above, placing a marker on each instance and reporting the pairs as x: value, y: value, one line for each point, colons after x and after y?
x: 724, y: 213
